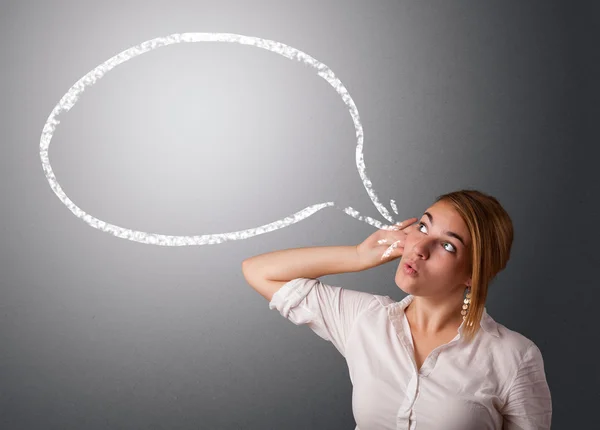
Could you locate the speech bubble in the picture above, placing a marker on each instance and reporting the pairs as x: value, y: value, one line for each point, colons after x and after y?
x: 71, y: 97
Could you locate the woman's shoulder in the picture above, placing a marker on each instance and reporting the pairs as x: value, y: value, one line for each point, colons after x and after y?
x: 512, y: 341
x: 384, y: 300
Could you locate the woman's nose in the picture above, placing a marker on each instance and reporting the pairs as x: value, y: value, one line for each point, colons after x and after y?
x: 421, y: 247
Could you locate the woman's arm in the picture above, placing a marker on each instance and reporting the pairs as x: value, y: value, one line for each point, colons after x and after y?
x: 528, y: 404
x: 267, y: 273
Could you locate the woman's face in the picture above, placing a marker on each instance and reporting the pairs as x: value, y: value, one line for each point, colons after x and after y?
x: 442, y: 261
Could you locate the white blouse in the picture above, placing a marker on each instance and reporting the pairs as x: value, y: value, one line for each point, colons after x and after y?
x: 495, y: 382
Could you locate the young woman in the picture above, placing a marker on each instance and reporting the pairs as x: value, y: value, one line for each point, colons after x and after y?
x: 436, y: 360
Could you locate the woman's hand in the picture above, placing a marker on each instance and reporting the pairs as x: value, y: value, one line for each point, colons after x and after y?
x: 384, y: 245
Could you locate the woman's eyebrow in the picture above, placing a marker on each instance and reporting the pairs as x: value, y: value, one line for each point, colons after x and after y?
x: 447, y: 233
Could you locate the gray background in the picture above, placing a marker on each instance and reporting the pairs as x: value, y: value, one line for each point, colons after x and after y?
x: 199, y: 138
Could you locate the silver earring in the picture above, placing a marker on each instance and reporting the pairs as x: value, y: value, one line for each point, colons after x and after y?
x: 466, y: 302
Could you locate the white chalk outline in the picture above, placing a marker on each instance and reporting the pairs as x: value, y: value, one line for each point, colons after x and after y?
x: 71, y: 97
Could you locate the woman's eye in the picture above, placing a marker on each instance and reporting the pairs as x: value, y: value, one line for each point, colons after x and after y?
x: 445, y: 243
x: 451, y: 247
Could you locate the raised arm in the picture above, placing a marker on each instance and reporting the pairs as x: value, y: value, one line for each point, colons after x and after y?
x: 267, y: 273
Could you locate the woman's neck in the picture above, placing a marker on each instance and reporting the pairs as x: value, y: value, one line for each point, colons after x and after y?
x: 434, y: 316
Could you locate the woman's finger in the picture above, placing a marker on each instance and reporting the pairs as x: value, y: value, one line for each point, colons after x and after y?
x: 390, y: 249
x: 403, y: 224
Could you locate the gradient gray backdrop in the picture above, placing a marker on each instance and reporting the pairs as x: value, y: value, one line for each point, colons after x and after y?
x: 98, y: 332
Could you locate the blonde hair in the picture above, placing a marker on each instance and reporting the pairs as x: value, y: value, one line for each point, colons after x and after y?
x: 491, y: 232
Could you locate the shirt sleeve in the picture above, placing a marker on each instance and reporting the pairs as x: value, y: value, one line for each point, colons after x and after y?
x: 329, y: 311
x: 529, y: 405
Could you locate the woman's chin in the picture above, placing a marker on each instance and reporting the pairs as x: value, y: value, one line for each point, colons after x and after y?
x: 406, y: 283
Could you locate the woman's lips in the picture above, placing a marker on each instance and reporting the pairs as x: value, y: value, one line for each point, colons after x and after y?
x: 409, y: 270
